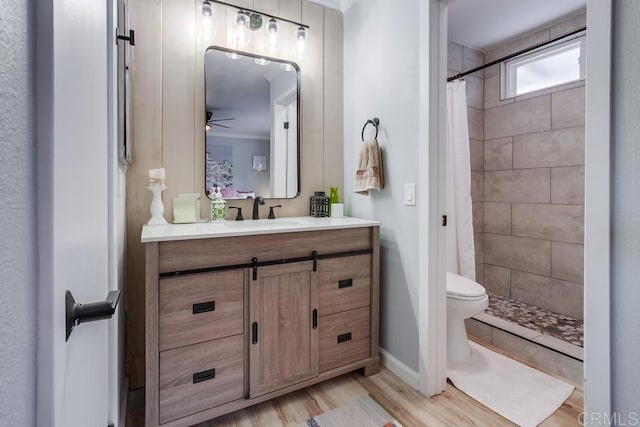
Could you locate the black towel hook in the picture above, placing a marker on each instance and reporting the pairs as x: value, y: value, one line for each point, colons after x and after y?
x: 375, y: 122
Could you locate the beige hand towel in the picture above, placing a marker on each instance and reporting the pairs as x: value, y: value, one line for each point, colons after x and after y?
x: 369, y: 175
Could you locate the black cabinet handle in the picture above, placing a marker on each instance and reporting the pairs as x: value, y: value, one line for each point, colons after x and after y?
x: 254, y: 333
x: 204, y: 307
x: 315, y: 318
x: 346, y: 283
x: 344, y: 337
x: 199, y: 377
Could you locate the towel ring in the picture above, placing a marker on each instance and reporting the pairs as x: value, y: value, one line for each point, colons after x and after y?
x: 375, y: 122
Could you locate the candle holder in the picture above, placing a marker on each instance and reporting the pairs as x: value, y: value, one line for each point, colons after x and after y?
x: 157, y: 208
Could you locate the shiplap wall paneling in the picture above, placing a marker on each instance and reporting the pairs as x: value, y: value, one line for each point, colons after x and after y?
x: 333, y: 108
x: 146, y: 87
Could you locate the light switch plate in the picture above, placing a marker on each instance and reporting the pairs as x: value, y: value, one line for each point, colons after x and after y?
x: 410, y: 193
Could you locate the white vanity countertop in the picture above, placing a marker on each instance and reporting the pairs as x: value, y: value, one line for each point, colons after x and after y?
x: 208, y: 230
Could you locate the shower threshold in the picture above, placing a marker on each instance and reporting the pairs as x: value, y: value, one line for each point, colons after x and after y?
x: 560, y: 333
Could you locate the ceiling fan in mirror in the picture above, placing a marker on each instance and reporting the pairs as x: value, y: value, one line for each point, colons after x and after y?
x: 214, y: 122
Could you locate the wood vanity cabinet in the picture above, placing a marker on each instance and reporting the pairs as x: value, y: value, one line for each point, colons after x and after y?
x: 234, y: 321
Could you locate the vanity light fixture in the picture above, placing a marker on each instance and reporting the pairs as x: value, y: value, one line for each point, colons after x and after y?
x: 252, y: 20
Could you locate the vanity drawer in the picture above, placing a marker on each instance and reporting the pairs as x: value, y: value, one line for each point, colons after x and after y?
x: 344, y: 284
x: 344, y: 338
x: 201, y: 307
x: 200, y: 376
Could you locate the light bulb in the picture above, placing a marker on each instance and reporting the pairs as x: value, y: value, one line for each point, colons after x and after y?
x: 242, y: 18
x: 300, y: 39
x: 241, y: 21
x: 207, y: 9
x: 262, y: 61
x: 232, y: 55
x: 207, y: 17
x: 272, y: 28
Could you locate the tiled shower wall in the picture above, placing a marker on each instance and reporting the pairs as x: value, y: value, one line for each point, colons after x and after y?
x: 527, y: 161
x: 461, y: 58
x: 534, y: 188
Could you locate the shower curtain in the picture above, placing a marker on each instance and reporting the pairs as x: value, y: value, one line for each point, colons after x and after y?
x: 460, y: 245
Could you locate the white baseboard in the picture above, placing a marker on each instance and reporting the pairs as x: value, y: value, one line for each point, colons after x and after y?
x: 403, y: 372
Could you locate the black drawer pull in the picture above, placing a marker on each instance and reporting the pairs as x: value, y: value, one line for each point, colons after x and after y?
x: 344, y: 337
x: 254, y: 333
x: 204, y: 307
x: 346, y: 283
x: 315, y: 318
x: 209, y: 374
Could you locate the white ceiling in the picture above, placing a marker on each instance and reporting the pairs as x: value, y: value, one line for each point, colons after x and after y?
x: 332, y: 4
x: 483, y: 24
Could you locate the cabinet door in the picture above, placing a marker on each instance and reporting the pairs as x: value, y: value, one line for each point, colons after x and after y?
x: 283, y: 338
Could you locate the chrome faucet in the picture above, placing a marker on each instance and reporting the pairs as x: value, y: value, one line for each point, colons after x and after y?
x: 257, y: 201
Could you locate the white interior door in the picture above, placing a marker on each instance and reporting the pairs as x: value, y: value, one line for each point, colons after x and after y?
x: 73, y: 204
x: 292, y: 148
x: 284, y: 149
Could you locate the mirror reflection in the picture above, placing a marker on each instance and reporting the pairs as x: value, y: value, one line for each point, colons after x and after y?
x: 252, y: 126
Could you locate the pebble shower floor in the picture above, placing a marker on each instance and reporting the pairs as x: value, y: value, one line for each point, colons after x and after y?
x: 565, y: 328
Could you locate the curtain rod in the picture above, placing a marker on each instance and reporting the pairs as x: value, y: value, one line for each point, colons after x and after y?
x: 518, y: 53
x: 246, y: 9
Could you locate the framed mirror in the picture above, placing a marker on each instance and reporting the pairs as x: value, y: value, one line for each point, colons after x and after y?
x: 252, y: 125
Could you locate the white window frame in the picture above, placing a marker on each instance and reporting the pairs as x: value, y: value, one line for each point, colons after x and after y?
x: 508, y: 68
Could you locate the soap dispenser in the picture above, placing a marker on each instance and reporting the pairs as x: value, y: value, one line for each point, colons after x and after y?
x: 218, y: 206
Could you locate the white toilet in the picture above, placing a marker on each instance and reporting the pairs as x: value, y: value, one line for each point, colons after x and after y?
x: 465, y: 298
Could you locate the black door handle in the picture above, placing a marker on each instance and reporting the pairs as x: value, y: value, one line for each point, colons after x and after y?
x: 83, y: 313
x: 254, y: 333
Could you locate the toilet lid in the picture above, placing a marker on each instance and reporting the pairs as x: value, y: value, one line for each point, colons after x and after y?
x: 462, y: 287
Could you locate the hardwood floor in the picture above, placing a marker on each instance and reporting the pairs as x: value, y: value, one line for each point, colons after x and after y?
x: 451, y: 408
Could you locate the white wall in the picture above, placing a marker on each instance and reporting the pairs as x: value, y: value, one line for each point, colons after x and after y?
x: 18, y: 261
x: 625, y: 277
x: 381, y: 79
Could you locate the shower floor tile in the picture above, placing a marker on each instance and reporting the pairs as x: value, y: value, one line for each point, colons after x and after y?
x: 565, y: 328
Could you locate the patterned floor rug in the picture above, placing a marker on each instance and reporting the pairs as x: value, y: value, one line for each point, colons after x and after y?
x: 364, y: 412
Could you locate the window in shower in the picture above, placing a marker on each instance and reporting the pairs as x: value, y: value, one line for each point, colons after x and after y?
x: 551, y: 66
